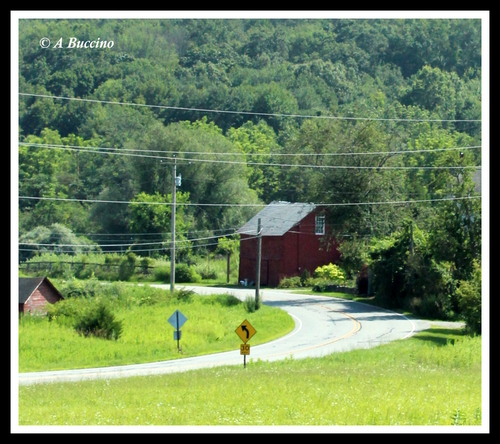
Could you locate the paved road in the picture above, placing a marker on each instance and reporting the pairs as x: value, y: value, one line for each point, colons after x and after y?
x: 323, y: 325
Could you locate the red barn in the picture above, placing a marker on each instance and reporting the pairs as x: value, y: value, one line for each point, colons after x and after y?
x: 293, y: 240
x: 35, y: 292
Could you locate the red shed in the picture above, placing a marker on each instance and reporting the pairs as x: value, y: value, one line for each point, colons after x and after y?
x: 35, y: 292
x: 293, y: 240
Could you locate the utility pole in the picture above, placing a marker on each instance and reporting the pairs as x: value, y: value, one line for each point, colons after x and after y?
x: 259, y: 252
x: 172, y: 246
x: 411, y: 237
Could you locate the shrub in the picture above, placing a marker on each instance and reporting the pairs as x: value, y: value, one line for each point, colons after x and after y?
x: 321, y: 286
x: 330, y: 272
x: 305, y: 278
x: 469, y: 300
x: 64, y: 312
x: 75, y: 288
x: 146, y: 262
x: 431, y: 306
x: 362, y: 280
x: 99, y: 321
x: 227, y: 300
x: 251, y: 305
x: 183, y: 295
x: 162, y: 273
x: 127, y: 267
x: 186, y: 274
x: 208, y: 273
x: 290, y: 282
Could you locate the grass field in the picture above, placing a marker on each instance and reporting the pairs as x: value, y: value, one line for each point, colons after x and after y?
x: 433, y: 379
x: 147, y: 335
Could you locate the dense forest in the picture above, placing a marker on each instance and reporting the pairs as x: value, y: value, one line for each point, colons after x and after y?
x: 377, y: 120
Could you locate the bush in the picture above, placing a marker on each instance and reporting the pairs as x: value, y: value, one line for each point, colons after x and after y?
x: 331, y: 273
x: 186, y: 274
x: 99, y: 321
x: 127, y: 267
x: 469, y: 300
x: 162, y: 273
x: 362, y: 280
x: 305, y: 278
x: 146, y: 262
x: 208, y: 273
x: 290, y: 282
x: 75, y: 288
x: 251, y: 305
x: 64, y: 312
x: 431, y: 306
x: 183, y: 295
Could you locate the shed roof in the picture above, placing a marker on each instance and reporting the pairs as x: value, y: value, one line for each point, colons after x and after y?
x: 28, y: 285
x: 277, y: 218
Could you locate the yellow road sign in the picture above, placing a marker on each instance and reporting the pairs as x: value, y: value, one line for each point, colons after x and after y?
x: 245, y: 331
x: 244, y: 349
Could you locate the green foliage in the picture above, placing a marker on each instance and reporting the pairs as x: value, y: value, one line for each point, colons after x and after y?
x: 251, y: 305
x: 390, y: 70
x: 353, y: 255
x: 469, y: 300
x: 186, y: 274
x: 76, y: 288
x: 56, y: 238
x: 290, y: 282
x: 53, y: 343
x: 183, y: 295
x: 363, y: 281
x: 416, y: 281
x: 208, y: 273
x: 227, y: 245
x: 331, y: 273
x: 99, y: 321
x: 303, y: 280
x: 225, y: 300
x: 126, y: 267
x: 162, y: 273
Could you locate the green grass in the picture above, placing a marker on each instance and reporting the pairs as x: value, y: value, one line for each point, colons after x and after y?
x: 147, y: 336
x: 431, y: 379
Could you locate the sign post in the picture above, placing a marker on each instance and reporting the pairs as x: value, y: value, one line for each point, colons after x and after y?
x: 177, y: 320
x: 245, y: 331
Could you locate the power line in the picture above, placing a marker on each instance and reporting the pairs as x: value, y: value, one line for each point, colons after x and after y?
x: 119, y: 152
x: 401, y: 202
x: 252, y: 113
x: 119, y: 251
x: 129, y: 244
x: 149, y: 234
x: 208, y: 153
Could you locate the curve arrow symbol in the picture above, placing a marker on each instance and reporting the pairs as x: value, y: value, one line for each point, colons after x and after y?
x: 244, y: 328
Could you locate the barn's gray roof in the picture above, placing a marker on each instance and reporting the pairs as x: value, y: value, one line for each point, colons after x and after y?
x: 28, y: 285
x: 277, y: 218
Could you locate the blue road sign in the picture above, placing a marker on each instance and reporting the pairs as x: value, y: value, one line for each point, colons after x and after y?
x: 177, y: 319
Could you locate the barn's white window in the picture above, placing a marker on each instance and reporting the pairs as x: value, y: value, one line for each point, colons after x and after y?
x: 320, y: 225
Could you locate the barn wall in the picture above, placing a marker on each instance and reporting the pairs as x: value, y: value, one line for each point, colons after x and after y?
x: 271, y: 257
x: 313, y: 250
x: 284, y: 256
x: 304, y: 250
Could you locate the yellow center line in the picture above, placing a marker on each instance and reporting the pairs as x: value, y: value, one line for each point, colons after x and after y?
x: 356, y: 327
